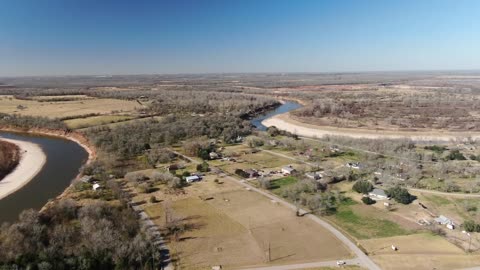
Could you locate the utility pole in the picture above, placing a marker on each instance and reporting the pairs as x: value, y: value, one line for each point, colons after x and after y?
x: 268, y: 253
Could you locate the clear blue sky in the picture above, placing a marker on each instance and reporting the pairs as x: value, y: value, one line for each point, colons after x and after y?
x: 63, y: 37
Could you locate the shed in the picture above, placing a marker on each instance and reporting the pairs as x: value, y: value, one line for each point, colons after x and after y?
x: 96, y: 186
x: 288, y: 170
x: 192, y: 178
x: 378, y: 194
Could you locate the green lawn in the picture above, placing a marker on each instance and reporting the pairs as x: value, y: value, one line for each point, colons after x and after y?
x: 278, y: 185
x: 365, y: 227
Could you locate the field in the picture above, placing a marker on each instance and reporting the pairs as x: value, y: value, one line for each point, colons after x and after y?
x: 61, y: 109
x: 418, y: 251
x: 79, y: 123
x: 236, y: 226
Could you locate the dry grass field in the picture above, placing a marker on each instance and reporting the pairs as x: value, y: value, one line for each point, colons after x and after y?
x: 418, y: 251
x: 79, y: 123
x: 60, y: 109
x: 236, y: 226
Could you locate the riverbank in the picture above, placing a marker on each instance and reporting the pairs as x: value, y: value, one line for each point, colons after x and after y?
x: 31, y: 163
x: 286, y: 122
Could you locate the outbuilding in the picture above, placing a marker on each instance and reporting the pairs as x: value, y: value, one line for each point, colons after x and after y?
x: 287, y: 170
x: 193, y: 178
x: 378, y: 194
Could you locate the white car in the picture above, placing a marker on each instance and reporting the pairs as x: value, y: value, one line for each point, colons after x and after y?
x: 339, y: 263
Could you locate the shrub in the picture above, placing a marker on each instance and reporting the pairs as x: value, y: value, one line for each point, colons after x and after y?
x: 203, y: 167
x: 400, y: 195
x: 471, y: 226
x: 368, y: 201
x: 455, y: 155
x: 362, y: 186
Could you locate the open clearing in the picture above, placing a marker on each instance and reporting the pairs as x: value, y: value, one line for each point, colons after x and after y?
x: 418, y: 251
x: 95, y: 121
x: 11, y: 105
x: 235, y: 228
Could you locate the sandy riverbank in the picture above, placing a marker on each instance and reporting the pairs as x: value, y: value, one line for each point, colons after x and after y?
x: 285, y: 122
x: 31, y: 162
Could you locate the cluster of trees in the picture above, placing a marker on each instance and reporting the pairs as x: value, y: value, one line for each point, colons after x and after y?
x: 72, y: 236
x: 362, y: 186
x: 133, y: 139
x: 400, y: 195
x: 146, y: 184
x: 30, y: 122
x: 471, y: 226
x: 441, y: 108
x: 9, y: 157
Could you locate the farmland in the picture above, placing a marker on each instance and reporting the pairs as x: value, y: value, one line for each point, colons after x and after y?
x: 65, y: 109
x: 235, y: 215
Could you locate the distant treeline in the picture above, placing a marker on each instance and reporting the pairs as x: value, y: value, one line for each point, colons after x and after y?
x: 30, y: 122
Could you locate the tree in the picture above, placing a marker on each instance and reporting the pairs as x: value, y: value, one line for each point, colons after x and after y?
x: 203, y: 167
x: 362, y: 186
x: 368, y: 201
x: 273, y: 131
x: 471, y: 226
x: 400, y: 195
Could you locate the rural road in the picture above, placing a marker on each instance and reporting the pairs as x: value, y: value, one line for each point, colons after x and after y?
x: 305, y: 265
x: 362, y: 259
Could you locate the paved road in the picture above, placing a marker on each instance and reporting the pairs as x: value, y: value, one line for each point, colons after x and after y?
x: 306, y: 265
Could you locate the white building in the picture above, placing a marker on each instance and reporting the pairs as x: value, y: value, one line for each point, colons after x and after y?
x: 287, y: 170
x: 193, y: 178
x: 378, y: 194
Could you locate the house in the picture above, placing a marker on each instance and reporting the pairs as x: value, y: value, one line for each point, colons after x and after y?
x: 287, y: 170
x: 314, y: 175
x: 213, y: 155
x: 443, y: 220
x: 378, y: 194
x: 251, y: 173
x: 96, y: 186
x: 193, y: 178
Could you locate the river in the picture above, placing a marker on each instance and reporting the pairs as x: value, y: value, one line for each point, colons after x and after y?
x: 286, y: 107
x: 64, y: 159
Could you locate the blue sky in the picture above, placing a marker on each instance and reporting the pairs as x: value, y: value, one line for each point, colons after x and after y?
x: 66, y: 37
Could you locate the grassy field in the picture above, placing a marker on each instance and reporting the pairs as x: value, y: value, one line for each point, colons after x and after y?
x: 236, y: 226
x: 79, y: 123
x: 61, y: 109
x: 278, y: 185
x: 365, y: 222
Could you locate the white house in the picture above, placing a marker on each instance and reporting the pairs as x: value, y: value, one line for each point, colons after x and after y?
x: 287, y: 170
x: 443, y: 220
x: 192, y: 178
x: 96, y: 186
x: 378, y: 194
